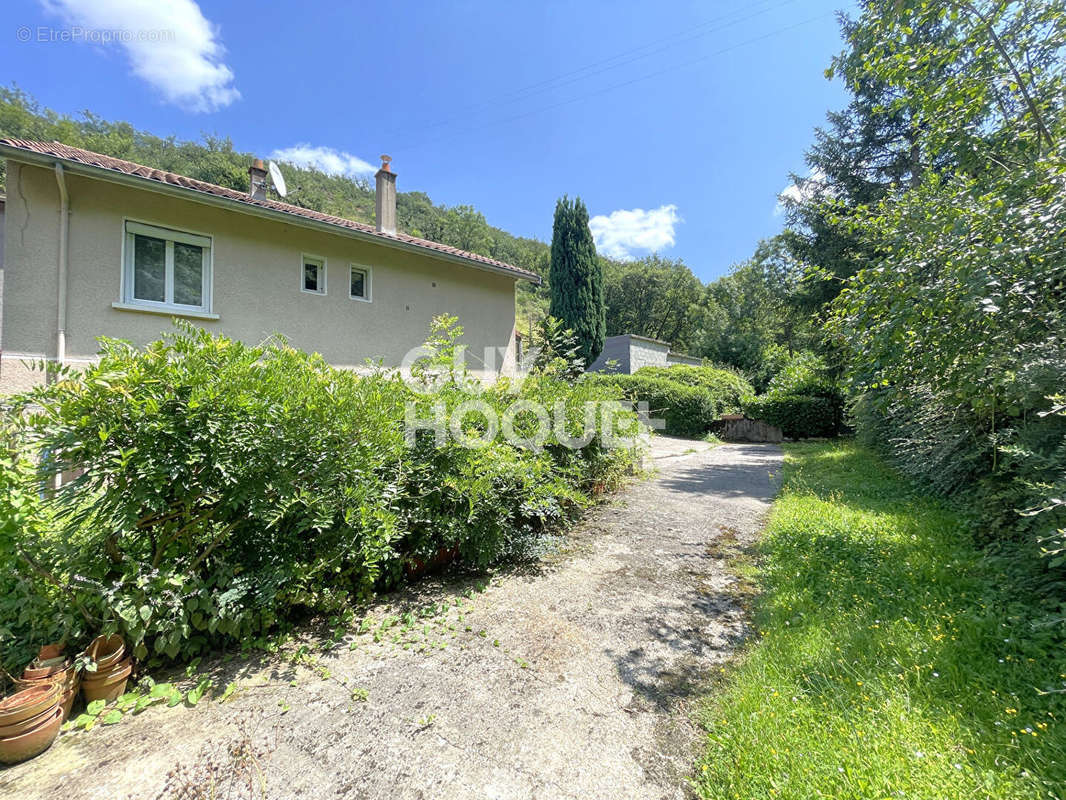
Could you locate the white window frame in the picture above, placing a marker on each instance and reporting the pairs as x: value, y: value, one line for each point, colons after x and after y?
x: 368, y: 282
x: 321, y: 260
x: 128, y: 302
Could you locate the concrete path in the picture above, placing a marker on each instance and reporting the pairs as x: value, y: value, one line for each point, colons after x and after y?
x: 575, y: 677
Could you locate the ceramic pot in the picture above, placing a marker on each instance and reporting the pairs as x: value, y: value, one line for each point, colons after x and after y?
x: 106, y: 650
x: 66, y: 702
x: 107, y: 685
x: 32, y: 742
x: 50, y: 651
x: 29, y: 702
x: 20, y: 727
x: 36, y: 670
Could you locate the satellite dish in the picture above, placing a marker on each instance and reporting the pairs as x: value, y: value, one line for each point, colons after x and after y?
x: 277, y: 179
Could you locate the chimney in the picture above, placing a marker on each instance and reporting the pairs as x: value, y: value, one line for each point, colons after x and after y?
x: 385, y: 198
x: 257, y: 180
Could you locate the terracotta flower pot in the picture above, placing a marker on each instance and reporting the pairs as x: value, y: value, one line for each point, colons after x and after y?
x: 36, y: 670
x: 106, y: 685
x: 50, y: 651
x: 20, y: 727
x: 67, y: 701
x: 29, y: 702
x: 32, y: 742
x: 106, y: 650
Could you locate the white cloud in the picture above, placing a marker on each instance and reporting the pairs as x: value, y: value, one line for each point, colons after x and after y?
x: 800, y: 191
x: 621, y: 232
x: 170, y: 44
x: 324, y: 159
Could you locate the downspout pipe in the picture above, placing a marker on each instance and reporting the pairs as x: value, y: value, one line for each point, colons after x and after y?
x: 61, y: 270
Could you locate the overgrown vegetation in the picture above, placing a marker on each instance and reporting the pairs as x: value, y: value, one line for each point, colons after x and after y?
x: 687, y: 398
x: 227, y: 487
x: 894, y: 657
x: 728, y: 388
x: 952, y: 331
x: 685, y: 410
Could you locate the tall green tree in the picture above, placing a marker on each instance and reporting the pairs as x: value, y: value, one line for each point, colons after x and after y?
x: 953, y: 333
x: 576, y: 278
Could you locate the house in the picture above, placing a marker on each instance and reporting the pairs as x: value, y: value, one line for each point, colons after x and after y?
x: 99, y: 246
x: 628, y: 352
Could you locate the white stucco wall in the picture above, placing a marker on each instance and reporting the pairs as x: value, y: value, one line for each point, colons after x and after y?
x: 256, y: 281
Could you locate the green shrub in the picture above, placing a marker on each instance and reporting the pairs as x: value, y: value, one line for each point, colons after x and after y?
x: 27, y: 600
x: 728, y: 388
x: 687, y: 411
x: 1011, y: 478
x: 798, y: 416
x: 227, y: 488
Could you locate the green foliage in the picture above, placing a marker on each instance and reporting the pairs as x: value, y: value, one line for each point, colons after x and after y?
x: 894, y: 658
x: 727, y: 387
x: 806, y: 374
x: 227, y: 488
x: 577, y: 278
x: 798, y: 416
x: 687, y: 410
x: 557, y: 350
x: 26, y: 598
x: 652, y: 296
x: 952, y: 328
x: 749, y: 319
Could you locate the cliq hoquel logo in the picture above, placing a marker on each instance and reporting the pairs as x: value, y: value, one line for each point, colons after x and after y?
x: 614, y: 423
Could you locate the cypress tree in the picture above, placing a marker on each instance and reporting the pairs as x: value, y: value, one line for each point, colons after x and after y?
x: 576, y: 278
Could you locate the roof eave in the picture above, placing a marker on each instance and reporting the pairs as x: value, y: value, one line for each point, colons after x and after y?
x: 195, y: 195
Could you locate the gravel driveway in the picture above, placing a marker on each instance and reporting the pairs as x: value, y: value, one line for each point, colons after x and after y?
x: 574, y: 677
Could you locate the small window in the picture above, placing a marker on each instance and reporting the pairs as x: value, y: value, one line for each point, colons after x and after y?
x: 166, y: 269
x: 313, y: 275
x: 359, y: 282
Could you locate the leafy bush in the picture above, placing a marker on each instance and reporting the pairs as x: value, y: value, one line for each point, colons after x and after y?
x: 1011, y: 478
x: 798, y: 416
x: 227, y: 487
x: 26, y: 598
x: 727, y: 387
x: 687, y: 411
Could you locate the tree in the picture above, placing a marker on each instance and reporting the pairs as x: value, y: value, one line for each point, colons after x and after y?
x: 651, y: 296
x: 577, y: 278
x: 749, y: 320
x: 953, y: 333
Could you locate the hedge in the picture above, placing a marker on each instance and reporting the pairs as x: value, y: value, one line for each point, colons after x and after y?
x: 728, y: 389
x: 798, y: 416
x: 687, y: 411
x: 229, y: 488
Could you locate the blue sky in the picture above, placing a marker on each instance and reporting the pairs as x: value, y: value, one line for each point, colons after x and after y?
x: 678, y: 123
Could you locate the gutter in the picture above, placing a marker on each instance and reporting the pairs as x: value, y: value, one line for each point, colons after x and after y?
x: 61, y: 269
x: 195, y: 195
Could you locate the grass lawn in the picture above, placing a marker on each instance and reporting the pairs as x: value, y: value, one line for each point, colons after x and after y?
x: 895, y: 658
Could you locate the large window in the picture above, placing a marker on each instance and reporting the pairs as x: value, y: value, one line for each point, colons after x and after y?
x: 166, y: 269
